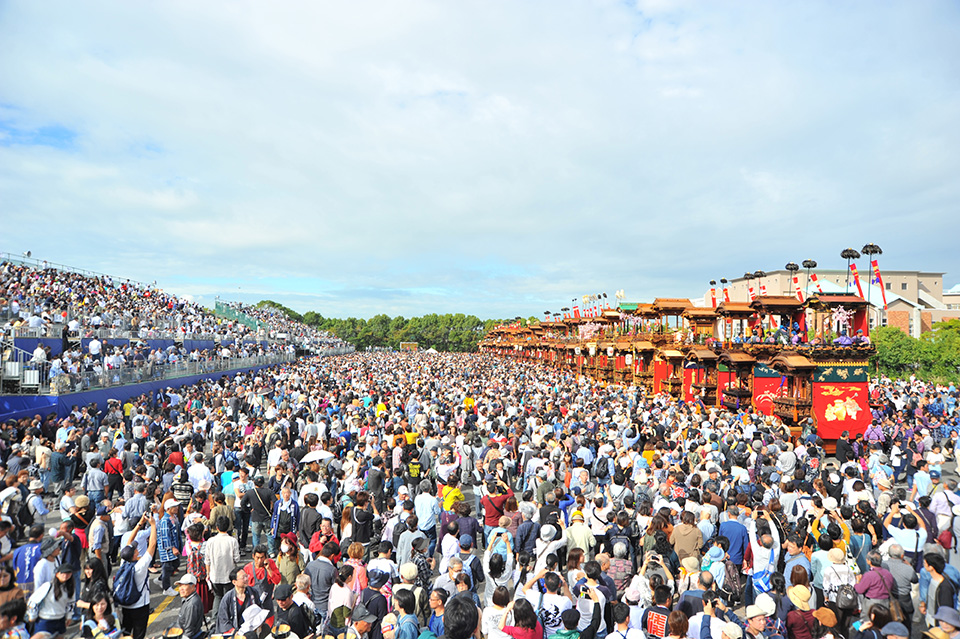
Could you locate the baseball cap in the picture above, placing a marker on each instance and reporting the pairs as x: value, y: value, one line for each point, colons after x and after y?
x: 360, y: 613
x: 171, y: 503
x: 283, y: 591
x: 187, y: 580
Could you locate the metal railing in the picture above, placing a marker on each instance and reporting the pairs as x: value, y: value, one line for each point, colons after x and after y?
x: 23, y: 376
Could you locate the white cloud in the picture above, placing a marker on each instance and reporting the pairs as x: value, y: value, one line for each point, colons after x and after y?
x: 509, y: 155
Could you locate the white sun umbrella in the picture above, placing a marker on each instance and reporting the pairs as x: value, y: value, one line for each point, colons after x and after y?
x: 316, y: 456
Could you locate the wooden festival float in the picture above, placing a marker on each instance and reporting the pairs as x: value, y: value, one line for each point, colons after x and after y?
x: 774, y: 356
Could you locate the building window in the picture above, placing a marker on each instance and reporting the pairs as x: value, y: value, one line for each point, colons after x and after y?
x: 883, y: 320
x: 887, y: 284
x: 903, y: 286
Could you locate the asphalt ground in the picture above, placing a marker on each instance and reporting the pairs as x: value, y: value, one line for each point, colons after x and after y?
x: 164, y: 609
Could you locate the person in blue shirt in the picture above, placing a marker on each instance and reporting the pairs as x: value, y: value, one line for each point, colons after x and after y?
x: 427, y: 509
x: 438, y: 600
x: 25, y: 559
x: 407, y: 626
x: 736, y: 533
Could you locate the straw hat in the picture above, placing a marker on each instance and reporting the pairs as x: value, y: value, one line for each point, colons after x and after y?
x: 799, y: 597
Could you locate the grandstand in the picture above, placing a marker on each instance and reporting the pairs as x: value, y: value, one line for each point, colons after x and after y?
x: 66, y: 330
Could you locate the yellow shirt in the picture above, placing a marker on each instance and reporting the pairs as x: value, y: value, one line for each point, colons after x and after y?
x: 451, y: 496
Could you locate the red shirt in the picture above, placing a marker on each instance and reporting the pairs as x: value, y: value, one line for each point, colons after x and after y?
x: 493, y: 508
x: 113, y: 466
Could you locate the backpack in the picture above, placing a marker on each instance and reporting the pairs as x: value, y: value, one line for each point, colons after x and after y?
x: 601, y: 470
x: 231, y: 455
x: 732, y: 589
x: 25, y: 515
x: 36, y: 599
x: 847, y: 598
x: 125, y: 591
x: 621, y: 536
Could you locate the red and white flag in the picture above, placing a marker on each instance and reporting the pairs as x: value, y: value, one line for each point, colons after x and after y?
x: 816, y: 282
x: 879, y: 281
x: 796, y: 286
x: 856, y: 278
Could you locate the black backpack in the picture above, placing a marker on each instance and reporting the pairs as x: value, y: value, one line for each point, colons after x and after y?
x: 601, y: 470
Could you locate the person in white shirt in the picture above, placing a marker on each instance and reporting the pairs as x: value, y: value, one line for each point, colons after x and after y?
x: 134, y: 618
x: 198, y: 472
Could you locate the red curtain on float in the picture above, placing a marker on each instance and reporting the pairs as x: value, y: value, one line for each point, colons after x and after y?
x: 764, y: 390
x: 841, y: 406
x: 689, y: 379
x: 724, y: 379
x: 661, y: 371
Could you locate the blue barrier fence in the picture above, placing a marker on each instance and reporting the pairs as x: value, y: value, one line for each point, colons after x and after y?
x: 19, y: 406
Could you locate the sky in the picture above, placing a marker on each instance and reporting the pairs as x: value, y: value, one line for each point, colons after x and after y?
x: 498, y: 158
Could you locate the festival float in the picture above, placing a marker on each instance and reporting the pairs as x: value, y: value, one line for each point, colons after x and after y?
x: 799, y: 360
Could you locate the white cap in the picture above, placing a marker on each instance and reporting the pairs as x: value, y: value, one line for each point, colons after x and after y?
x: 171, y: 503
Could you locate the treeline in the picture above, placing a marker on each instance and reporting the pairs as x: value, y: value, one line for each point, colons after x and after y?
x: 449, y: 332
x: 935, y: 356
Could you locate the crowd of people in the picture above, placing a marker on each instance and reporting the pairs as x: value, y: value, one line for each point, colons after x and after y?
x: 410, y: 495
x: 80, y: 305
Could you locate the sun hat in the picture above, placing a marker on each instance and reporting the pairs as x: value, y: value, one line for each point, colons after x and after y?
x: 690, y: 564
x: 253, y: 618
x: 377, y: 578
x: 754, y: 611
x: 830, y: 503
x: 800, y: 597
x: 732, y: 630
x: 47, y: 546
x: 767, y: 604
x: 715, y: 553
x: 948, y: 615
x: 548, y: 532
x: 827, y: 617
x: 36, y: 484
x: 936, y: 633
x: 836, y: 556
